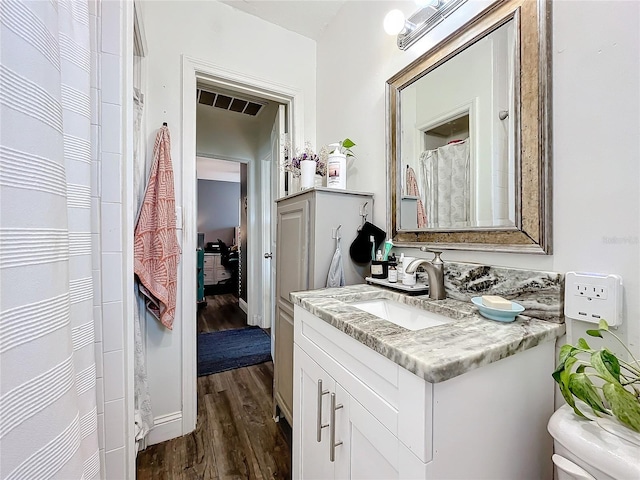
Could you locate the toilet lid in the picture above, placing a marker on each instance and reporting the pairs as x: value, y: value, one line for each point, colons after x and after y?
x: 595, y: 446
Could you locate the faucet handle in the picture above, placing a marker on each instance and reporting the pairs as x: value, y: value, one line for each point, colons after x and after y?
x: 436, y: 255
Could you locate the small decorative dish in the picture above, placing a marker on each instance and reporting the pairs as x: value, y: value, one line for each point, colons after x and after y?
x: 496, y: 313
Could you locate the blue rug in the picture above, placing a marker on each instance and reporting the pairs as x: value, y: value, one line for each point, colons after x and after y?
x: 230, y: 349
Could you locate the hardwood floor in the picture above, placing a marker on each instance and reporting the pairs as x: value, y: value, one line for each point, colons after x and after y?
x: 235, y: 436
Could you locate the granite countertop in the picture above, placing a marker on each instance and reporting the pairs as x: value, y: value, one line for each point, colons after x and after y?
x: 437, y: 353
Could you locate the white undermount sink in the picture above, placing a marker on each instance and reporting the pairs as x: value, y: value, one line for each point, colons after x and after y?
x: 406, y: 316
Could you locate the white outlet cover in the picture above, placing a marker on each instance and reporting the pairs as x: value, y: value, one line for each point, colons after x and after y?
x: 583, y: 299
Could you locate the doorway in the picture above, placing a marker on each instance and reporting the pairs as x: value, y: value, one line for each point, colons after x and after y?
x: 197, y: 73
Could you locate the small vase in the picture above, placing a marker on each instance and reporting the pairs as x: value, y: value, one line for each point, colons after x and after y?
x: 337, y: 171
x: 307, y: 173
x: 294, y: 184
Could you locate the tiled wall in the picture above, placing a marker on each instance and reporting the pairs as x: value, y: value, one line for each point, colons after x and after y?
x: 107, y: 208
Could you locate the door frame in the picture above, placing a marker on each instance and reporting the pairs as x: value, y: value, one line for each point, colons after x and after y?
x: 193, y: 70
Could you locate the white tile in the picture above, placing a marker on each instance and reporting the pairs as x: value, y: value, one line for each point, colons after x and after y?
x: 96, y: 258
x: 110, y: 27
x: 95, y: 106
x: 111, y: 177
x: 95, y: 182
x: 97, y: 322
x: 93, y: 8
x: 114, y: 461
x: 114, y: 425
x: 101, y: 430
x: 103, y: 463
x: 113, y: 375
x: 111, y: 127
x: 95, y: 213
x: 97, y: 287
x: 98, y: 349
x: 111, y: 277
x: 111, y: 78
x: 100, y: 394
x: 111, y: 233
x: 112, y: 326
x: 95, y: 69
x: 95, y: 143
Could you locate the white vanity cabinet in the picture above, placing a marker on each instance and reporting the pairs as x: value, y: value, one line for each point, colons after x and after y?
x: 488, y: 423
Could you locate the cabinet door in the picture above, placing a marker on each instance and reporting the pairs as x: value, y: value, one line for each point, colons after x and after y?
x: 292, y: 259
x: 283, y: 361
x: 312, y: 403
x: 369, y: 451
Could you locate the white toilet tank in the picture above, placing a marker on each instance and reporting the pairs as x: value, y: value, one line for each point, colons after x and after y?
x: 585, y: 451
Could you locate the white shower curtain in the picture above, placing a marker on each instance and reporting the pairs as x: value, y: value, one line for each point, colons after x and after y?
x: 48, y: 415
x: 446, y: 175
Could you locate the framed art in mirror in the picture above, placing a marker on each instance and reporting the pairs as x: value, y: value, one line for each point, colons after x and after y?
x: 468, y: 137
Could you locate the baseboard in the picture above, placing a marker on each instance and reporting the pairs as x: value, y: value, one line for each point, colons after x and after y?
x: 165, y: 428
x: 243, y: 306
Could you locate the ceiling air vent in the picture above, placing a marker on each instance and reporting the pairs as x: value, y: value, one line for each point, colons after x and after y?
x: 229, y: 102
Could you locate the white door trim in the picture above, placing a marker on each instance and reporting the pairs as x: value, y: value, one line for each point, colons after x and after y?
x: 193, y: 70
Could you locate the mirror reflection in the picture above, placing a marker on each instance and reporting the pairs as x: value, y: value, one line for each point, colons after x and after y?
x: 458, y: 145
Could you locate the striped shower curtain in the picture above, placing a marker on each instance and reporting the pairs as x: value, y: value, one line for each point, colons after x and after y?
x: 48, y: 416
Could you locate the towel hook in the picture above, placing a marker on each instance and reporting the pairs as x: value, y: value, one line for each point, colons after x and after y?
x: 503, y: 114
x: 336, y: 232
x: 363, y: 214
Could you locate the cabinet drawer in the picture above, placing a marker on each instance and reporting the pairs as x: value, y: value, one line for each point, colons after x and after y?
x: 222, y: 274
x: 397, y: 398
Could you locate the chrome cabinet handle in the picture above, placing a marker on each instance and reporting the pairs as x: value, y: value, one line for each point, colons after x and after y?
x: 320, y: 426
x: 332, y: 429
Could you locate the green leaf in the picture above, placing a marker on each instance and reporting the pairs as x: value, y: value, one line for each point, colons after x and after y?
x: 562, y: 375
x: 611, y: 363
x: 599, y: 364
x: 348, y: 143
x: 581, y: 369
x: 580, y: 385
x: 624, y: 405
x: 565, y: 352
x: 594, y: 333
x: 603, y: 325
x: 582, y: 343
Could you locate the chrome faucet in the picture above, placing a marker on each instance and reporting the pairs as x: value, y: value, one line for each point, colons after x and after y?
x: 435, y: 272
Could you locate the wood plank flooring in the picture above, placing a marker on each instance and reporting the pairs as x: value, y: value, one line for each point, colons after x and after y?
x: 235, y: 436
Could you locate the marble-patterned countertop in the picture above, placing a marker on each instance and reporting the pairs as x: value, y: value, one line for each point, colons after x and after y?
x: 436, y: 353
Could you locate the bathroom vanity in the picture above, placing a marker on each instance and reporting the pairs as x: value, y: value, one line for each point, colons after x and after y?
x: 459, y: 396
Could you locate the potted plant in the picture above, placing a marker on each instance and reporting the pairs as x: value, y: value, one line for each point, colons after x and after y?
x: 305, y: 164
x: 608, y: 385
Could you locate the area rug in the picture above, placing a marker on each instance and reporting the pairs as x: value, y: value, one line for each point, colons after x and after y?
x: 229, y: 349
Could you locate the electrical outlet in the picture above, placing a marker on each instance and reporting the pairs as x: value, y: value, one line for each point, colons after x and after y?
x: 590, y: 297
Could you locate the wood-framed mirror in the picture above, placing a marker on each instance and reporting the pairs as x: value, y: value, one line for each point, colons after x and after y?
x: 468, y: 137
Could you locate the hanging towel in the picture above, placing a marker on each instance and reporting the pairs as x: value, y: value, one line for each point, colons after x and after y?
x: 335, y: 278
x: 414, y: 190
x: 156, y: 250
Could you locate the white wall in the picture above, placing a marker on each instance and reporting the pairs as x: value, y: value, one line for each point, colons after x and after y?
x: 596, y: 98
x: 217, y: 34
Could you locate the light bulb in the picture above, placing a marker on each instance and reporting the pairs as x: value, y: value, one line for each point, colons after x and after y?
x: 394, y: 22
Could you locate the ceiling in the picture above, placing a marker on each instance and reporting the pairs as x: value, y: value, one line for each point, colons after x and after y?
x: 306, y: 17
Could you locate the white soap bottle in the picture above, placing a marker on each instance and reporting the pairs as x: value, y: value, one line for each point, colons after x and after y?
x: 400, y: 268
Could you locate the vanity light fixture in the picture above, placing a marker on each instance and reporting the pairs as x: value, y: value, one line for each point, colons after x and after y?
x: 412, y: 29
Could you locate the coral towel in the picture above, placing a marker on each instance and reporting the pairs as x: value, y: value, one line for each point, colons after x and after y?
x: 413, y: 189
x: 156, y: 250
